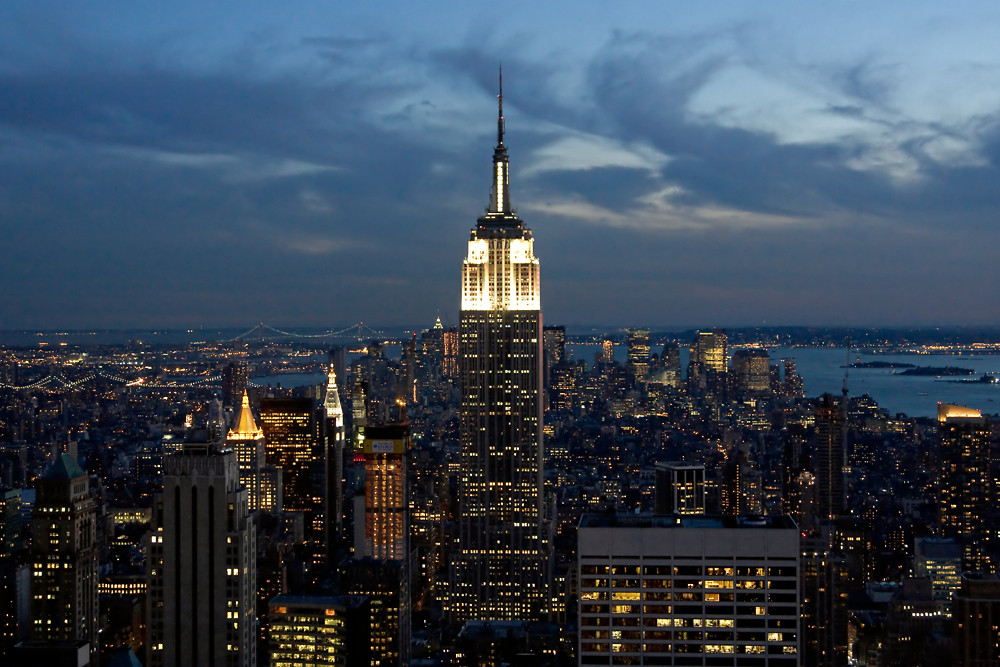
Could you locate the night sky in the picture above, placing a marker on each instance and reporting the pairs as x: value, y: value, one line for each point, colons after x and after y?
x: 320, y: 163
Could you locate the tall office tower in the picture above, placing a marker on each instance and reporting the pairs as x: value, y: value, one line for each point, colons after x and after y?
x: 247, y: 440
x: 383, y: 542
x: 607, y: 352
x: 334, y: 433
x: 751, y: 373
x: 939, y: 560
x: 966, y: 489
x: 293, y: 442
x: 553, y: 350
x: 359, y: 408
x: 385, y: 534
x: 976, y: 615
x: 15, y: 574
x: 708, y: 361
x: 554, y: 345
x: 823, y: 584
x: 670, y: 363
x: 637, y: 363
x: 798, y: 484
x: 680, y: 488
x: 450, y: 340
x: 64, y: 603
x: 202, y: 563
x: 338, y: 364
x: 743, y: 486
x: 792, y: 384
x: 432, y: 351
x: 234, y: 381
x: 499, y: 569
x: 406, y: 383
x: 319, y: 630
x: 828, y: 458
x: 688, y: 591
x: 10, y: 522
x: 386, y: 586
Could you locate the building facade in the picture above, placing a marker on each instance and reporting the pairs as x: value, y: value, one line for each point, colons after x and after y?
x: 499, y: 571
x: 966, y: 485
x: 294, y: 443
x: 64, y: 597
x: 688, y: 591
x: 319, y: 630
x: 247, y: 440
x: 202, y: 563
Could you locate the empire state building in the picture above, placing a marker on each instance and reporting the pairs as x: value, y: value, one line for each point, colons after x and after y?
x: 500, y: 569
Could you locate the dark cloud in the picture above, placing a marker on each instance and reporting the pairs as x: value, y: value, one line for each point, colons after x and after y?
x: 134, y: 193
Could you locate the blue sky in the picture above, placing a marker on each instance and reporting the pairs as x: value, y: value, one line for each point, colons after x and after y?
x: 304, y: 163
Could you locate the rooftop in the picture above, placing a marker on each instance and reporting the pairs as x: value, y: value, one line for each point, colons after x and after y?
x: 687, y: 521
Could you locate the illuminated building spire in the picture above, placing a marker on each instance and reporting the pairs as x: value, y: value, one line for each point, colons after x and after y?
x: 500, y: 195
x: 332, y: 400
x: 246, y: 427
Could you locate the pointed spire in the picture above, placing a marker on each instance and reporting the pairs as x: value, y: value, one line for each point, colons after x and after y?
x: 246, y: 428
x: 500, y: 195
x: 332, y: 400
x: 500, y: 125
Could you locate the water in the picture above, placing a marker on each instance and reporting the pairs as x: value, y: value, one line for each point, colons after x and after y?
x: 913, y: 395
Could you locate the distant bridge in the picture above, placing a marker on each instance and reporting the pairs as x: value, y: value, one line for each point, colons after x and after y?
x: 359, y: 332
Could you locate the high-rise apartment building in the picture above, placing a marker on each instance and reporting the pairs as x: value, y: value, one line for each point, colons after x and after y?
x: 64, y: 598
x: 688, y: 591
x: 202, y: 563
x: 247, y: 440
x: 966, y: 486
x: 828, y: 458
x: 499, y: 570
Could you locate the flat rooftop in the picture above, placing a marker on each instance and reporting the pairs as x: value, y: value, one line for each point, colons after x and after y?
x: 701, y: 521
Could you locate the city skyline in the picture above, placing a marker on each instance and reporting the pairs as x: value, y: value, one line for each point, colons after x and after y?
x: 729, y: 166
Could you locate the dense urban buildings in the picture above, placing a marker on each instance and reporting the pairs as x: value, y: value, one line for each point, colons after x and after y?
x: 499, y: 568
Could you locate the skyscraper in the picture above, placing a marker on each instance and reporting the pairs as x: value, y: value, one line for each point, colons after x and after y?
x: 247, y: 440
x: 293, y: 442
x: 637, y: 363
x: 64, y: 557
x: 334, y: 432
x: 829, y: 458
x: 688, y: 591
x: 966, y: 491
x: 202, y: 563
x: 385, y: 534
x: 708, y: 362
x: 499, y: 569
